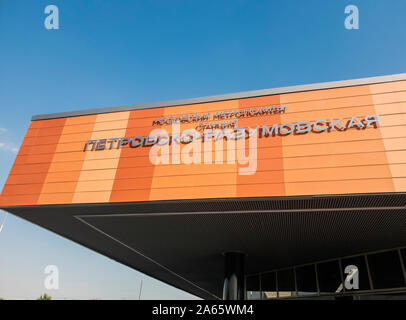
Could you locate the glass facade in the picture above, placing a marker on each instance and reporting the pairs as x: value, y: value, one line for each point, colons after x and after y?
x: 370, y: 273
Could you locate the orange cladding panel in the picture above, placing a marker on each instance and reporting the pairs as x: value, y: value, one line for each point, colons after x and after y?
x: 344, y: 140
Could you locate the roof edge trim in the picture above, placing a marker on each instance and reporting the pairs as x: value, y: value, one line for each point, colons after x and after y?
x: 231, y: 96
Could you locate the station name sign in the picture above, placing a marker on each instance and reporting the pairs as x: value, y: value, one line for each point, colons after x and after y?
x: 228, y: 128
x: 220, y: 119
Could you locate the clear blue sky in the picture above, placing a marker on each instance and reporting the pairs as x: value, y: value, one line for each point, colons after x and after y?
x: 113, y: 53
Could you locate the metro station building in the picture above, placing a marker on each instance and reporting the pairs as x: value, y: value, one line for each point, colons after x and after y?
x: 266, y: 194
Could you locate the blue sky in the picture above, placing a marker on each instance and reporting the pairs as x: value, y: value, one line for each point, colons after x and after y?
x: 113, y: 53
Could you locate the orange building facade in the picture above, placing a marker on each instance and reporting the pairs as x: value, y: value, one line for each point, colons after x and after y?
x: 52, y: 167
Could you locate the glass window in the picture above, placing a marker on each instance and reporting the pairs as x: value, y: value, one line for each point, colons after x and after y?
x: 253, y: 288
x: 329, y: 277
x: 359, y: 262
x: 403, y: 253
x: 306, y: 280
x: 286, y: 283
x: 386, y: 270
x: 268, y: 285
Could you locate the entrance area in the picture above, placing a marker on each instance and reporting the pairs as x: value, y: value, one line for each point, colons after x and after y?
x: 374, y: 275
